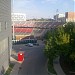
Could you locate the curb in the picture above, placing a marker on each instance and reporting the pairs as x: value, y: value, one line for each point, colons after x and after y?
x: 16, y: 68
x: 50, y: 73
x: 47, y: 69
x: 58, y: 67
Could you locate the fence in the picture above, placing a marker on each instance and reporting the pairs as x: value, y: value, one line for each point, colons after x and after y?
x: 24, y: 41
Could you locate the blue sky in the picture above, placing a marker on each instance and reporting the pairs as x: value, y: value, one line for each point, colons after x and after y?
x: 42, y: 8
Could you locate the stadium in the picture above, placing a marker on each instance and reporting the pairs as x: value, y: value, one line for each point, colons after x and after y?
x: 32, y: 29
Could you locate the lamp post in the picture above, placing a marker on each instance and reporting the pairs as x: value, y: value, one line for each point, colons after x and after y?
x: 13, y: 32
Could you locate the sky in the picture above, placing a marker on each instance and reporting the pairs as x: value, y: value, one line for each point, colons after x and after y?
x: 42, y: 8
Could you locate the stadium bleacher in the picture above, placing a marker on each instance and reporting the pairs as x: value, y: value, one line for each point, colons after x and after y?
x: 23, y: 30
x: 19, y: 27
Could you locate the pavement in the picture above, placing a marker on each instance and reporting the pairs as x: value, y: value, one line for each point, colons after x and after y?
x: 15, y: 69
x: 29, y: 64
x: 56, y: 64
x: 57, y: 67
x: 34, y: 63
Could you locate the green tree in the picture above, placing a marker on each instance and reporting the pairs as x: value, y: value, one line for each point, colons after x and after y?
x: 61, y: 40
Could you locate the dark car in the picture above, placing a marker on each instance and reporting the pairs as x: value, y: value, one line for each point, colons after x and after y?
x: 36, y: 44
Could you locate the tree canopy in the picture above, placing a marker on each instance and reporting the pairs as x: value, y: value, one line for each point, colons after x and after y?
x: 61, y: 40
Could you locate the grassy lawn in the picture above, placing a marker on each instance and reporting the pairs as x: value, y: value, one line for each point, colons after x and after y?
x: 50, y: 67
x: 9, y: 69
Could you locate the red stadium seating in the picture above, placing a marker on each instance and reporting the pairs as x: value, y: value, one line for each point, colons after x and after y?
x: 23, y: 30
x: 20, y: 26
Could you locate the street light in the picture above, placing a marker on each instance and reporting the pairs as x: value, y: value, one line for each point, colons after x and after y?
x: 13, y: 30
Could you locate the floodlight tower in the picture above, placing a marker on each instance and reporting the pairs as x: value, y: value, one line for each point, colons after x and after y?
x: 57, y: 14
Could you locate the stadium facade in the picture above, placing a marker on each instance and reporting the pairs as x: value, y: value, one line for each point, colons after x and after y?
x: 5, y: 34
x: 37, y: 29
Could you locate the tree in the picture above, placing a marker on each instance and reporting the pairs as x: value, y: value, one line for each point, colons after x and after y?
x: 61, y: 40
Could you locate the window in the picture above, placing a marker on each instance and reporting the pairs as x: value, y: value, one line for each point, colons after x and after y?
x: 5, y: 25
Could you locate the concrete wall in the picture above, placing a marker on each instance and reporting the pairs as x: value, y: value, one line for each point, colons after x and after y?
x: 5, y: 33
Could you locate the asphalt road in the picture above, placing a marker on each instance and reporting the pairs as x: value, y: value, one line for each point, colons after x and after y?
x: 34, y: 61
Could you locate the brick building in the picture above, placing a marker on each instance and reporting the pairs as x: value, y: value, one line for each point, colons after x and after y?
x: 70, y: 16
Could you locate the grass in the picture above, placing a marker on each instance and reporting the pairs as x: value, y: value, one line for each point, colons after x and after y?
x: 9, y: 69
x: 50, y: 67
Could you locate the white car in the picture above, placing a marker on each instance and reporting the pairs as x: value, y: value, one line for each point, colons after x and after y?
x: 30, y: 44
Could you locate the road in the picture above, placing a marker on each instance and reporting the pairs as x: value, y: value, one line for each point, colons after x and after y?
x: 34, y: 61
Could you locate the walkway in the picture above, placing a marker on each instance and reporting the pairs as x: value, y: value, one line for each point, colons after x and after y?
x: 16, y: 67
x: 57, y: 67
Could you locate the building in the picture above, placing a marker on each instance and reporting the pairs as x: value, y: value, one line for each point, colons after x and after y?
x: 18, y: 17
x: 5, y: 34
x: 70, y: 16
x: 59, y: 17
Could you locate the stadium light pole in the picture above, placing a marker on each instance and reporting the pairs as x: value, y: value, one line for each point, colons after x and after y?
x: 13, y: 30
x: 57, y: 14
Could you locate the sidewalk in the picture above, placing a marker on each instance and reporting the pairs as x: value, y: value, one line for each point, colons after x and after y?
x: 57, y: 67
x: 16, y: 66
x: 47, y: 69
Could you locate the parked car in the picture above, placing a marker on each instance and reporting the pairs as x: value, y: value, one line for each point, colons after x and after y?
x: 36, y: 44
x: 30, y: 44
